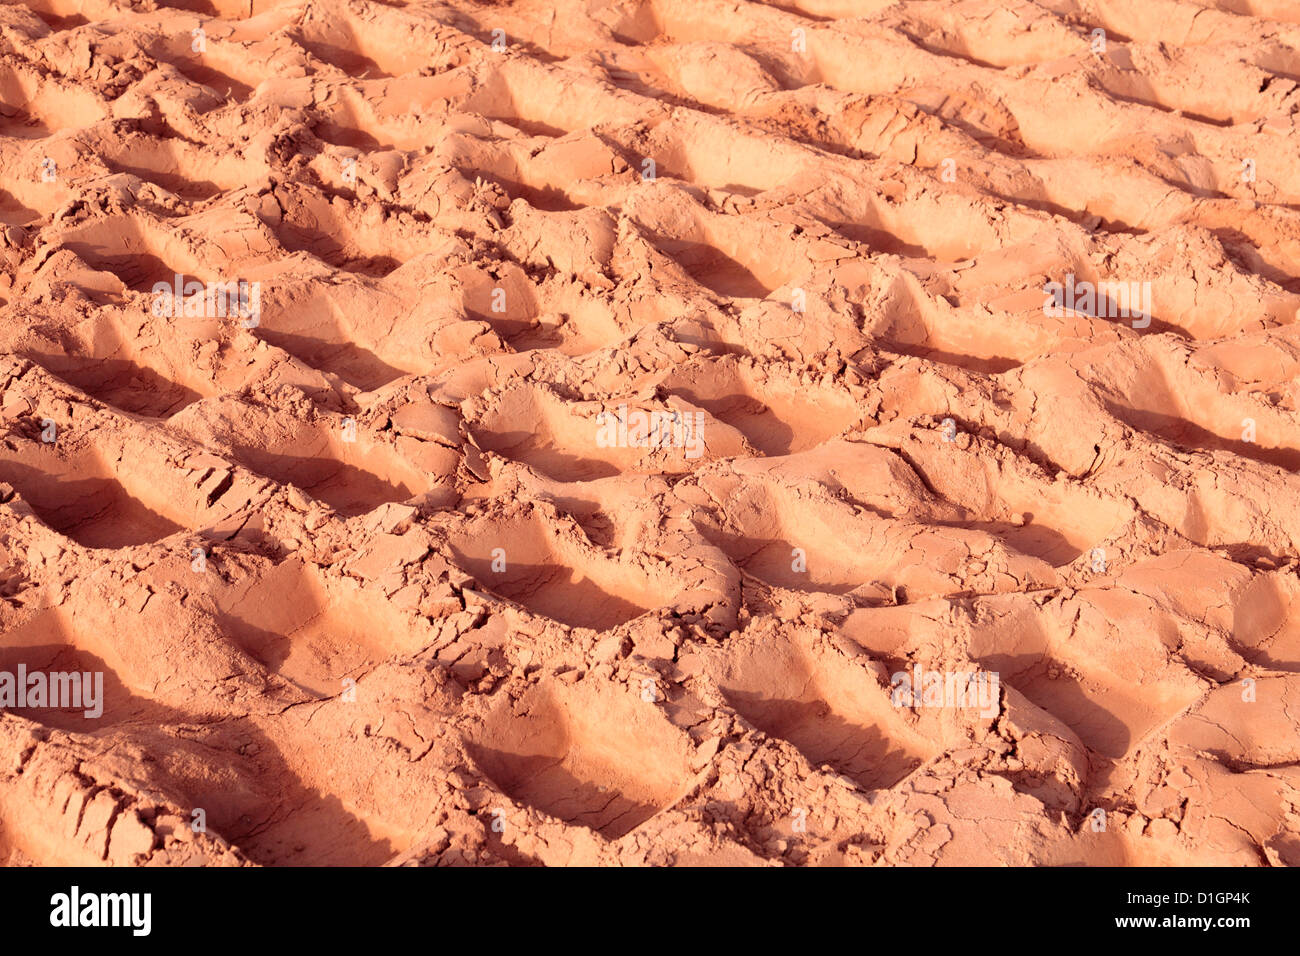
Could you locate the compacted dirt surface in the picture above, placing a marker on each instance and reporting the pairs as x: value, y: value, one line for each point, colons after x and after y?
x: 615, y: 397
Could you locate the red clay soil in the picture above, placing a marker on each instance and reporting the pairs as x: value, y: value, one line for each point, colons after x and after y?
x: 622, y: 395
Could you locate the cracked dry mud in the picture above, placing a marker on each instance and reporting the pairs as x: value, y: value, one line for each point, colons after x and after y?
x: 564, y: 652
